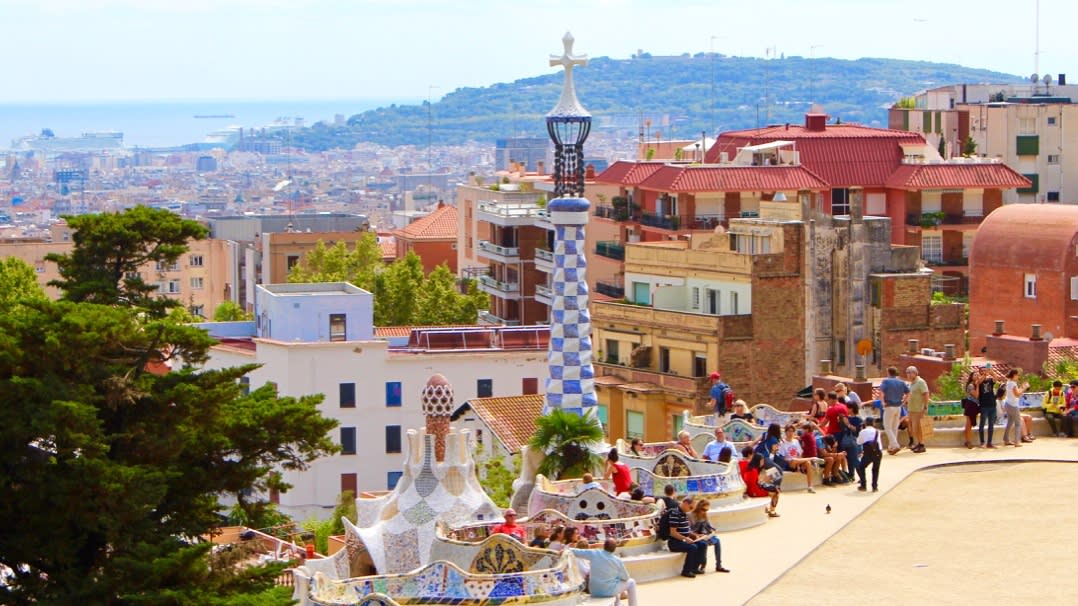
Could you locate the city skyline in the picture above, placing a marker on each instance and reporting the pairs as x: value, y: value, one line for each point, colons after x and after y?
x: 120, y: 50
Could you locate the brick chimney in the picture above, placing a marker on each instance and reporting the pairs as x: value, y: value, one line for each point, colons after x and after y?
x: 589, y: 172
x: 816, y: 122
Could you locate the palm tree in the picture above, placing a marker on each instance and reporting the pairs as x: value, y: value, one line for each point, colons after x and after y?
x: 566, y: 440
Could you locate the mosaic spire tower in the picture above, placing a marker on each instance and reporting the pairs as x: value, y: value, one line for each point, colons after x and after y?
x: 568, y: 125
x: 571, y: 384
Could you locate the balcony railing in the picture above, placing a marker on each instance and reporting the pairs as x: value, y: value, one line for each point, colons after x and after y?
x: 490, y: 282
x: 610, y: 289
x: 511, y: 209
x: 610, y: 250
x: 544, y: 293
x: 609, y: 212
x: 486, y: 316
x: 544, y: 255
x: 705, y: 221
x: 662, y: 221
x: 504, y: 251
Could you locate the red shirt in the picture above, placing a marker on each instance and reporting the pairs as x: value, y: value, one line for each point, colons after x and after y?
x: 622, y: 478
x: 834, y: 426
x: 808, y: 444
x: 751, y: 478
x: 510, y: 528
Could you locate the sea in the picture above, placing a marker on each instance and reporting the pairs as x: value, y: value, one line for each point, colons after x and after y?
x: 171, y: 123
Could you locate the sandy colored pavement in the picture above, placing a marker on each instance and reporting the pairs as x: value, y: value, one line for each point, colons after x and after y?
x: 1000, y: 532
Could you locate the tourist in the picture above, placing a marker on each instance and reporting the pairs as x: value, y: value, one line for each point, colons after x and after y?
x: 835, y: 460
x: 608, y: 576
x: 636, y: 447
x: 669, y: 502
x: 714, y: 447
x: 871, y: 454
x: 589, y: 481
x: 767, y: 447
x: 792, y: 456
x: 986, y: 397
x: 682, y: 539
x: 819, y: 405
x: 618, y: 472
x: 970, y: 407
x: 556, y: 535
x: 836, y: 411
x: 719, y: 393
x: 756, y: 486
x: 1011, y: 394
x: 1071, y: 415
x: 1055, y: 402
x: 703, y: 529
x: 510, y: 526
x: 847, y: 441
x: 917, y: 405
x: 684, y: 443
x: 894, y: 396
x: 541, y: 538
x: 851, y: 396
x: 726, y: 455
x: 741, y: 411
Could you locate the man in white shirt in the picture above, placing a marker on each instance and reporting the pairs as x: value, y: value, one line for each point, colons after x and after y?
x: 714, y: 447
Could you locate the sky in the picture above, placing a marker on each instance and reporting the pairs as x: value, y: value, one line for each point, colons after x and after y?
x: 108, y: 50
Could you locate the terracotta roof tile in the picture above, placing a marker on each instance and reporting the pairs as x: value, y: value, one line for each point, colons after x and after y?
x: 439, y: 225
x: 1013, y: 234
x: 941, y: 176
x: 628, y: 173
x: 389, y: 247
x: 711, y: 178
x: 511, y: 418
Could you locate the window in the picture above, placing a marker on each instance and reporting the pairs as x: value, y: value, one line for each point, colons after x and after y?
x: 529, y: 385
x: 484, y: 388
x: 347, y: 395
x: 932, y: 247
x: 160, y: 266
x: 337, y: 327
x: 173, y: 287
x: 1051, y: 120
x: 349, y: 482
x: 967, y: 243
x: 348, y: 440
x: 1034, y: 186
x: 840, y: 350
x: 840, y: 200
x: 696, y: 297
x: 733, y: 303
x: 1027, y: 126
x: 677, y: 422
x: 195, y: 260
x: 1031, y: 286
x: 392, y: 477
x: 641, y: 293
x: 1053, y: 196
x: 1074, y: 288
x: 196, y: 283
x: 699, y: 365
x: 393, y: 438
x: 197, y: 310
x: 245, y: 385
x: 713, y: 302
x: 1053, y: 158
x: 634, y: 424
x: 604, y: 415
x: 664, y: 359
x: 877, y: 292
x: 291, y: 261
x: 393, y: 393
x: 1027, y: 145
x: 612, y: 353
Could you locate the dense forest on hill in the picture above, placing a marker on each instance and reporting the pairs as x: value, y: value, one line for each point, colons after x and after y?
x: 676, y: 94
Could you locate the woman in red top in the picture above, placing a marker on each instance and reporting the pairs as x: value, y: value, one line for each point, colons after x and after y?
x: 619, y: 472
x: 750, y: 474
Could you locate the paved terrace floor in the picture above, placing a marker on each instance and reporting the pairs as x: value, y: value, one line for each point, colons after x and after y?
x: 1012, y: 517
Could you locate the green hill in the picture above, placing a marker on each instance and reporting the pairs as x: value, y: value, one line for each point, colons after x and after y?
x: 674, y: 93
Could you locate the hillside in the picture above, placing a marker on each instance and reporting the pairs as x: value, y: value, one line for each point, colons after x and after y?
x: 675, y: 93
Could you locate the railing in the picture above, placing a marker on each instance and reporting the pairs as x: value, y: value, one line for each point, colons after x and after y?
x: 661, y: 221
x: 610, y: 250
x: 610, y: 289
x: 511, y: 210
x: 706, y: 221
x: 505, y: 251
x: 499, y: 285
x: 544, y: 254
x: 543, y: 291
x: 486, y: 316
x: 609, y: 212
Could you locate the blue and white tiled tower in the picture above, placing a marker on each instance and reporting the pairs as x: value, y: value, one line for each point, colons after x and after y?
x: 571, y: 384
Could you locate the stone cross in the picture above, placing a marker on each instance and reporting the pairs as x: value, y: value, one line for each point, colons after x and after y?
x: 568, y: 105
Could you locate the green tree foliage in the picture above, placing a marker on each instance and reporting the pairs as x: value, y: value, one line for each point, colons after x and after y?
x: 952, y: 385
x: 403, y: 295
x: 18, y: 283
x: 230, y: 312
x: 111, y: 249
x: 109, y: 470
x: 495, y: 478
x: 566, y: 439
x: 969, y: 147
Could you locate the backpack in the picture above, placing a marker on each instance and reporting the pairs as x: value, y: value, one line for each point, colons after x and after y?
x: 1001, y: 391
x: 871, y: 448
x: 728, y: 398
x: 664, y: 525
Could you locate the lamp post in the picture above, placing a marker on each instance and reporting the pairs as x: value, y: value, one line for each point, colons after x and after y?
x: 568, y: 125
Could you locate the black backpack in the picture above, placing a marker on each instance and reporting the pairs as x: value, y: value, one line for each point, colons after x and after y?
x: 664, y: 525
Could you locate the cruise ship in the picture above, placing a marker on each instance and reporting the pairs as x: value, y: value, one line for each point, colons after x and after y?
x: 226, y: 138
x: 87, y: 142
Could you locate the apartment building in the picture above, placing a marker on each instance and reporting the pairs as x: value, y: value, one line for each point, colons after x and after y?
x: 319, y: 338
x: 433, y: 238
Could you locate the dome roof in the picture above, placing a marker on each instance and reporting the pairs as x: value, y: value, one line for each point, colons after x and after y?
x: 1026, y: 236
x: 568, y: 205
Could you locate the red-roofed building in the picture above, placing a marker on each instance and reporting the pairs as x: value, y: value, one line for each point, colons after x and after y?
x: 433, y: 238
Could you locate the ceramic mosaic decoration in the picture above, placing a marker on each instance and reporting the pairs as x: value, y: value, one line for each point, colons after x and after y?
x: 697, y: 477
x: 588, y: 504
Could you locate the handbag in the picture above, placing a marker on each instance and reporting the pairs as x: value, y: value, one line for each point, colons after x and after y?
x: 871, y: 449
x: 927, y: 426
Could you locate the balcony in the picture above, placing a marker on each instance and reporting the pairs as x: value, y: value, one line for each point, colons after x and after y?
x: 610, y: 289
x: 614, y: 214
x: 610, y: 249
x: 688, y: 387
x: 511, y: 214
x: 489, y: 318
x: 505, y: 254
x: 544, y: 260
x: 672, y: 222
x: 544, y: 295
x: 705, y: 221
x: 503, y: 290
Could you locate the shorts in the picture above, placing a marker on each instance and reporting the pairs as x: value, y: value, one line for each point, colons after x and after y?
x: 769, y: 487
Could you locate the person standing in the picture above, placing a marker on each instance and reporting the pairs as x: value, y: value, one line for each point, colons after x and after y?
x: 894, y: 394
x: 917, y: 405
x: 871, y: 454
x: 986, y: 397
x: 607, y: 576
x: 718, y: 395
x: 1011, y: 394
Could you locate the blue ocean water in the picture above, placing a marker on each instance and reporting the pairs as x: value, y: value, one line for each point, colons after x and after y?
x: 168, y: 123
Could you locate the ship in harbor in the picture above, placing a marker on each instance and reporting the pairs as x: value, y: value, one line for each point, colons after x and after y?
x: 48, y: 142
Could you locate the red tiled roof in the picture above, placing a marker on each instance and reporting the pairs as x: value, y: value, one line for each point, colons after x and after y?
x: 511, y: 418
x: 675, y: 178
x: 439, y: 225
x: 940, y: 176
x: 628, y: 173
x: 843, y: 155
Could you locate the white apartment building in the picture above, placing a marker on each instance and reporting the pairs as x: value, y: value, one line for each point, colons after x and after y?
x: 319, y: 338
